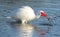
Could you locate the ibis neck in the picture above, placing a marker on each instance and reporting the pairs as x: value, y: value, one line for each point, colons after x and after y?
x: 38, y: 16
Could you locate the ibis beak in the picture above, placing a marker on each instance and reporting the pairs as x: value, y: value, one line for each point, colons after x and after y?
x: 43, y: 14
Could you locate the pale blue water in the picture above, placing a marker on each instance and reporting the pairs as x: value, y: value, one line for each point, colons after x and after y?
x: 51, y: 7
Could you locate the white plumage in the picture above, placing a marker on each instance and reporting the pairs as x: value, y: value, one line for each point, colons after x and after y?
x: 25, y: 13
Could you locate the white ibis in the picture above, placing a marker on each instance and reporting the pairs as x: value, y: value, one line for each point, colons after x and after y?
x: 26, y: 13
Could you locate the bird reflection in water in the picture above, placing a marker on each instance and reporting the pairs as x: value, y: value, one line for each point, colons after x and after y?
x: 26, y: 30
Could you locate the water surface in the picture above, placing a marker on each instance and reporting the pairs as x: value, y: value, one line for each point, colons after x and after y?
x: 51, y: 7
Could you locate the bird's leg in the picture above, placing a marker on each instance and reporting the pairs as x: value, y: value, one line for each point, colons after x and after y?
x: 24, y: 22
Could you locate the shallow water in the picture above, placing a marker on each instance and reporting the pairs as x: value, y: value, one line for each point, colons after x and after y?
x: 51, y: 7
